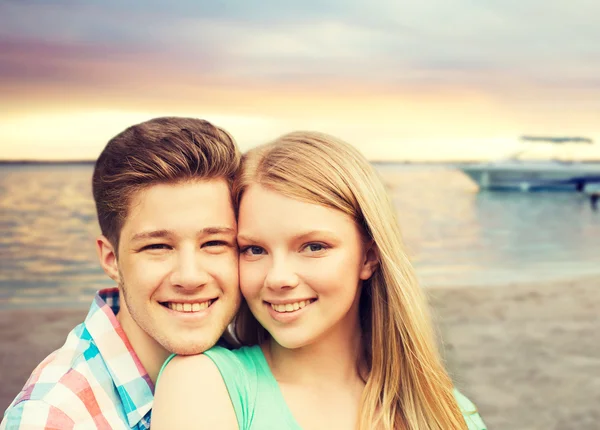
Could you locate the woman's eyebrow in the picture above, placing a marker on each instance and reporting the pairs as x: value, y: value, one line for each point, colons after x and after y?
x: 246, y: 238
x: 309, y: 234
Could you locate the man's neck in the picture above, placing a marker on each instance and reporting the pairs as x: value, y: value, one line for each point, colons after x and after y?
x: 151, y: 354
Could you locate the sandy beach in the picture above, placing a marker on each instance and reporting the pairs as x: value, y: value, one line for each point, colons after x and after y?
x: 527, y: 355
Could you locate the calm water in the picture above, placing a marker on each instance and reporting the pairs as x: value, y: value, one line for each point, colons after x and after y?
x: 455, y: 235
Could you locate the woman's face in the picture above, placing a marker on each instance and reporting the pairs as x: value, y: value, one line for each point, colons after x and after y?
x: 301, y: 267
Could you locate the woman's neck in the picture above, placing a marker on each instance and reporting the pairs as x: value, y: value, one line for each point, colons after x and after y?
x: 334, y: 358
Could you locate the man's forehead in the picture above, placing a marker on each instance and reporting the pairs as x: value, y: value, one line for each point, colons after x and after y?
x: 216, y: 186
x: 200, y: 207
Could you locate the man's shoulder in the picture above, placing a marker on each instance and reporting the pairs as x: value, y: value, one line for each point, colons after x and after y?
x: 72, y: 367
x: 91, y: 381
x: 62, y: 387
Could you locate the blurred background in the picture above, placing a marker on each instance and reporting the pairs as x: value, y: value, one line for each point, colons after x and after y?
x: 426, y: 90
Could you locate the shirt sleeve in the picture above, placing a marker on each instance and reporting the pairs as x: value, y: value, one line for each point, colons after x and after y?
x: 239, y: 383
x: 470, y: 412
x: 34, y: 415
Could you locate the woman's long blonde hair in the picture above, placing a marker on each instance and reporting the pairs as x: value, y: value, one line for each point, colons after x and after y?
x: 407, y: 386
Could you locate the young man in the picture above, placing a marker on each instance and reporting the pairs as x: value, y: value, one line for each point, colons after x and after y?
x: 162, y: 193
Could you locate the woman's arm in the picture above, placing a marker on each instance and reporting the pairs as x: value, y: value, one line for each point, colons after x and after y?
x: 191, y: 394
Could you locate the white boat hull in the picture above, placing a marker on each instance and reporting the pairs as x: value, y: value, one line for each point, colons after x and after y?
x: 532, y: 175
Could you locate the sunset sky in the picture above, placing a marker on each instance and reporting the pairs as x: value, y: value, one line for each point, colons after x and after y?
x: 417, y: 80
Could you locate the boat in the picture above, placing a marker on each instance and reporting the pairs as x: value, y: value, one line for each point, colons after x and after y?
x: 524, y: 174
x: 592, y: 190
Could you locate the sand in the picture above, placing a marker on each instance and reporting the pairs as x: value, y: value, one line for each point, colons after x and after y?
x: 527, y: 355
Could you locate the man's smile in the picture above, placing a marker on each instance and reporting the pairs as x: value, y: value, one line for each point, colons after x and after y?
x: 189, y: 306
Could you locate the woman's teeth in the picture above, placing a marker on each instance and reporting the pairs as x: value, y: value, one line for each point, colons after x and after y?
x: 290, y: 307
x: 189, y: 307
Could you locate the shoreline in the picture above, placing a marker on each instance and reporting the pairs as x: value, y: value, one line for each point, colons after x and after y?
x: 528, y: 355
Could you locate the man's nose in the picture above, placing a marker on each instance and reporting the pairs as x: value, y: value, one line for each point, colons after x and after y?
x: 189, y: 271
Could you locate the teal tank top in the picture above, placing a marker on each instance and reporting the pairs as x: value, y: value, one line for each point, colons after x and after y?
x: 257, y: 399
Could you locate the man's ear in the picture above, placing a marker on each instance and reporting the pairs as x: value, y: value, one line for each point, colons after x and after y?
x: 371, y: 261
x: 108, y: 258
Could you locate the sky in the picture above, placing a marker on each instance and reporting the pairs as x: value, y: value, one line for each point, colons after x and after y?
x: 401, y: 80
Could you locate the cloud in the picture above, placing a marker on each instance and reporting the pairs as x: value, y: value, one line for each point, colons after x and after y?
x: 411, y: 43
x: 496, y: 66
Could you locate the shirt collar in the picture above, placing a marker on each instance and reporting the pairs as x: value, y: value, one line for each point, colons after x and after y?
x: 133, y: 384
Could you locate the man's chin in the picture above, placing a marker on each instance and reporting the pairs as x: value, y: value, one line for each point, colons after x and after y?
x: 192, y: 349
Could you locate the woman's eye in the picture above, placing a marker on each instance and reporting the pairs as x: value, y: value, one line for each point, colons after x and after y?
x: 253, y: 250
x: 315, y: 247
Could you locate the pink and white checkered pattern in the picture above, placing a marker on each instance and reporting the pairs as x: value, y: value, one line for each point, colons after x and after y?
x: 94, y: 381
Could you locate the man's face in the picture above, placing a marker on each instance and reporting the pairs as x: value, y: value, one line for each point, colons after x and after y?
x: 178, y: 267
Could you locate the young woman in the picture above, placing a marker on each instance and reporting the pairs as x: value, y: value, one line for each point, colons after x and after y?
x: 336, y: 328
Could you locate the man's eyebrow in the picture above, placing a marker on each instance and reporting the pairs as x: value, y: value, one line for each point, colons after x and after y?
x: 162, y: 234
x: 154, y: 234
x: 216, y: 230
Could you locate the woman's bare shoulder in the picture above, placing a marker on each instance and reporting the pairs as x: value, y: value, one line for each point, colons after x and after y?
x: 192, y: 394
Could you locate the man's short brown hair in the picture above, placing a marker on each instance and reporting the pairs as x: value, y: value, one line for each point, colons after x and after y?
x: 162, y: 150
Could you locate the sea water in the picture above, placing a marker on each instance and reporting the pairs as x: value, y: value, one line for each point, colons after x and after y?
x: 454, y: 235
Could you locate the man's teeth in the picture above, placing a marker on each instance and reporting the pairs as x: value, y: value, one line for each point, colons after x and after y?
x: 290, y: 307
x: 189, y: 307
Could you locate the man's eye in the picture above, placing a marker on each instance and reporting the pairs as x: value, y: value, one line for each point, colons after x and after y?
x: 155, y: 246
x: 215, y: 243
x: 253, y: 250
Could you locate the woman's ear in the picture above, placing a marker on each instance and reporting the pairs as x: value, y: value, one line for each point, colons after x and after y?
x: 108, y: 258
x: 370, y: 262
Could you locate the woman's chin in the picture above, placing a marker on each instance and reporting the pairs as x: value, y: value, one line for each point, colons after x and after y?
x: 292, y: 340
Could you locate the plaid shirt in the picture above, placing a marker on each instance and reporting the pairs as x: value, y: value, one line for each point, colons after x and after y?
x: 94, y: 381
